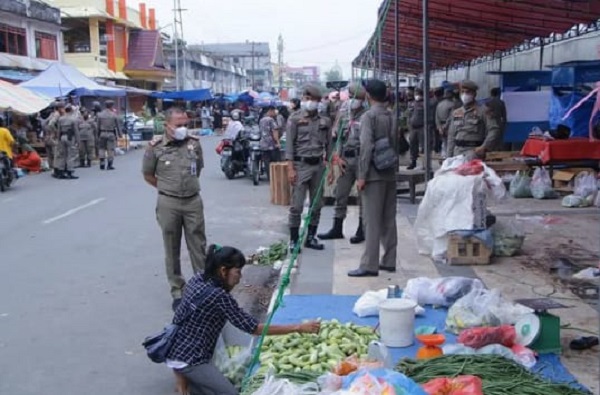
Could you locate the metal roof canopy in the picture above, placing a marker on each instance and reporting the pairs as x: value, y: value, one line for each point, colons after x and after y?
x: 462, y: 30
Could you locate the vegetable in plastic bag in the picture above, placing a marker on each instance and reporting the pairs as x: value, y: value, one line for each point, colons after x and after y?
x: 232, y: 364
x: 369, y: 382
x: 482, y: 307
x: 275, y: 386
x: 585, y: 185
x: 508, y: 238
x: 520, y: 186
x: 460, y: 385
x: 483, y: 336
x: 439, y: 291
x: 573, y: 201
x: 541, y: 184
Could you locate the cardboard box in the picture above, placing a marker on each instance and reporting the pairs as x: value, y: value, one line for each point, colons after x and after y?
x: 563, y: 180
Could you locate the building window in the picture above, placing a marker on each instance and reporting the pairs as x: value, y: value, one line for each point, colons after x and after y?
x: 45, y: 46
x: 77, y: 37
x: 13, y: 40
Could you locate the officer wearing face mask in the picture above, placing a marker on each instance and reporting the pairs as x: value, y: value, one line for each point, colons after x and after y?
x: 347, y: 159
x: 472, y: 130
x: 417, y: 128
x: 109, y: 130
x: 172, y: 164
x: 308, y: 145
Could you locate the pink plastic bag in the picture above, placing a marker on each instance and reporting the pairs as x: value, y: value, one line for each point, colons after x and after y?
x: 461, y: 385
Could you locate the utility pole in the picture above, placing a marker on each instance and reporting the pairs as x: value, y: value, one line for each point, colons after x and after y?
x: 253, y: 65
x: 178, y: 34
x: 280, y: 60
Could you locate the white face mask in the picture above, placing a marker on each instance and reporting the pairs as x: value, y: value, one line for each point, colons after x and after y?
x: 180, y: 133
x: 356, y: 104
x: 466, y: 98
x: 310, y: 105
x: 418, y: 98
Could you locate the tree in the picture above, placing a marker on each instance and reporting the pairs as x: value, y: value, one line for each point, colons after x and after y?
x: 333, y: 75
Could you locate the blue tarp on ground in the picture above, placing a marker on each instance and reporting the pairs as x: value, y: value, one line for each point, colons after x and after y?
x: 188, y: 95
x: 61, y: 80
x: 296, y: 308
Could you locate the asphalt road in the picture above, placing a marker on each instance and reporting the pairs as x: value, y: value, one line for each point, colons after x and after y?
x: 82, y: 275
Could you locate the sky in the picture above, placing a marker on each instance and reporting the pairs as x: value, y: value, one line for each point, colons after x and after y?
x: 315, y: 32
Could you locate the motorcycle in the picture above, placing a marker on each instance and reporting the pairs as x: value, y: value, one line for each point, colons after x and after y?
x: 234, y: 156
x: 255, y: 158
x: 7, y: 173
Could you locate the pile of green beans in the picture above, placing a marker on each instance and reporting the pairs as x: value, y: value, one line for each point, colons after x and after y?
x: 500, y: 376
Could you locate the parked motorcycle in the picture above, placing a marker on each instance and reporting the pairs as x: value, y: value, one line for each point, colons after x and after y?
x: 7, y: 173
x: 255, y: 160
x: 234, y: 156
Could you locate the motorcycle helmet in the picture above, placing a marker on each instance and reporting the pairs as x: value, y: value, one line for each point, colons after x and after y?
x: 236, y: 115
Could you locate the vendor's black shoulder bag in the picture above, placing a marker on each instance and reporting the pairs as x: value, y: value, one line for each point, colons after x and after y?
x: 158, y: 346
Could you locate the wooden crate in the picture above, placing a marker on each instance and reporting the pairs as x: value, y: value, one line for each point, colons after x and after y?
x: 467, y: 251
x: 280, y: 187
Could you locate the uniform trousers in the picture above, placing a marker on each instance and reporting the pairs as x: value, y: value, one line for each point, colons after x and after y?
x: 308, y: 180
x: 177, y: 216
x: 343, y: 188
x: 379, y: 200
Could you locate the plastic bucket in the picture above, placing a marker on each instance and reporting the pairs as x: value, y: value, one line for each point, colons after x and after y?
x: 397, y: 322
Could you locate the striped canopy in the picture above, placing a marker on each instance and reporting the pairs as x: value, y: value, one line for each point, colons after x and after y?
x: 21, y: 100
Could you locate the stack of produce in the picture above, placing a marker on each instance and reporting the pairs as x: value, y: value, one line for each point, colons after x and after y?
x: 499, y: 375
x: 268, y: 256
x: 317, y: 353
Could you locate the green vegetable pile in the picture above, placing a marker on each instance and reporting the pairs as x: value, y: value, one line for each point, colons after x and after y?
x: 269, y: 256
x: 232, y: 351
x: 236, y: 366
x: 315, y: 352
x: 256, y: 381
x: 500, y: 376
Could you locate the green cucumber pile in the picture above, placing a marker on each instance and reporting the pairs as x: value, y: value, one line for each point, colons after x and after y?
x: 256, y: 381
x: 500, y: 376
x: 316, y: 353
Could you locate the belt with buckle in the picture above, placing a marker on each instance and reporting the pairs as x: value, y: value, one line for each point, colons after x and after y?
x: 309, y: 160
x: 467, y: 143
x: 351, y: 153
x: 177, y: 197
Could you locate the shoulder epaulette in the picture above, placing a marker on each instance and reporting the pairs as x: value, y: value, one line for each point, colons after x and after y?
x: 155, y: 140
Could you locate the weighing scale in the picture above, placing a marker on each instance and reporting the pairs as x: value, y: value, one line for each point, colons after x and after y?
x: 540, y: 331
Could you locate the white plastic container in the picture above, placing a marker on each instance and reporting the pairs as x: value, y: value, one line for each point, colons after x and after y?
x: 397, y: 322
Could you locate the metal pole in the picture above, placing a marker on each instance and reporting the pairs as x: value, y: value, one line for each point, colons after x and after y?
x: 379, y: 68
x: 176, y: 45
x: 253, y: 66
x: 397, y: 54
x: 426, y: 73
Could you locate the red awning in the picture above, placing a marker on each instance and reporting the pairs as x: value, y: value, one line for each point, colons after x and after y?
x: 461, y: 30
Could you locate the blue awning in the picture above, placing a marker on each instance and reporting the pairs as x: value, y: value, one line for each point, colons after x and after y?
x: 189, y: 95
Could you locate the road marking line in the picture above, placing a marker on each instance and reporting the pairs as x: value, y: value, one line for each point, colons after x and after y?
x: 73, y: 211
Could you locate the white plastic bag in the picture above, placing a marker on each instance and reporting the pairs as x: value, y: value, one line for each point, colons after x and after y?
x: 541, y: 184
x: 573, y: 201
x: 482, y: 307
x: 273, y: 386
x: 368, y: 304
x: 520, y: 186
x: 439, y: 291
x: 233, y: 367
x: 585, y: 185
x: 508, y: 238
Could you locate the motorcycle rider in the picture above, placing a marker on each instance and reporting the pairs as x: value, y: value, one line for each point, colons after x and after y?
x: 7, y: 143
x: 235, y: 125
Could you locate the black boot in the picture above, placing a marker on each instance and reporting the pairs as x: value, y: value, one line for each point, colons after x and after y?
x: 412, y: 166
x: 70, y: 176
x: 336, y: 232
x: 311, y: 241
x: 294, y: 236
x: 110, y: 165
x: 81, y: 162
x: 60, y: 174
x: 359, y: 237
x: 102, y: 165
x: 55, y: 173
x: 88, y: 163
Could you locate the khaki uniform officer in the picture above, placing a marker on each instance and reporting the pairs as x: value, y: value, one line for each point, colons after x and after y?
x: 377, y: 182
x: 87, y: 136
x: 109, y: 129
x: 68, y: 140
x: 308, y: 143
x: 347, y: 159
x: 172, y: 164
x: 472, y: 130
x: 49, y: 126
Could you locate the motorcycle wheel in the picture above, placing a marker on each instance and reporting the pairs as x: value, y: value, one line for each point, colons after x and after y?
x: 229, y: 173
x: 255, y: 172
x: 2, y: 183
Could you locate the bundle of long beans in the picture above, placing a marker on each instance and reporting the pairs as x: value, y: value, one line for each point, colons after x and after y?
x: 500, y: 376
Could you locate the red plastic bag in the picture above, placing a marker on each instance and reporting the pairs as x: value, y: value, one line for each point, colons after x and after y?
x: 471, y: 168
x: 483, y: 336
x: 461, y: 385
x: 220, y: 147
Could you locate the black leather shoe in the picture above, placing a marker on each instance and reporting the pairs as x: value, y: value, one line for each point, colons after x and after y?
x: 176, y: 303
x: 362, y: 273
x: 387, y: 269
x: 313, y: 243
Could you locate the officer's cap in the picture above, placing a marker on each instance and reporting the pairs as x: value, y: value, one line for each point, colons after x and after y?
x: 312, y: 91
x: 470, y: 85
x: 356, y: 91
x: 419, y: 91
x: 376, y: 89
x: 58, y: 104
x: 448, y: 91
x: 109, y: 103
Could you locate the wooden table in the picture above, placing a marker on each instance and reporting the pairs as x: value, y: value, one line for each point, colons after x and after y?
x: 413, y: 177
